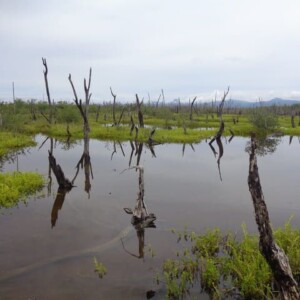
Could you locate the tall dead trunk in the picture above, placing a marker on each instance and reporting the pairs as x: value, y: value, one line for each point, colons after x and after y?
x: 274, y: 255
x: 191, y: 108
x: 114, y: 107
x: 83, y: 109
x: 50, y: 118
x: 220, y: 112
x: 62, y: 181
x: 139, y: 111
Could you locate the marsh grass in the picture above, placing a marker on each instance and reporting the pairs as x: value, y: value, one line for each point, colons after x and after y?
x: 18, y: 186
x: 12, y: 141
x: 226, y: 267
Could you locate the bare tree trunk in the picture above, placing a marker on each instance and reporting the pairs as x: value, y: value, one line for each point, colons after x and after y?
x: 293, y: 119
x: 63, y: 182
x: 274, y: 255
x: 114, y: 107
x: 191, y: 108
x: 220, y: 111
x: 50, y: 118
x: 139, y: 110
x: 84, y: 110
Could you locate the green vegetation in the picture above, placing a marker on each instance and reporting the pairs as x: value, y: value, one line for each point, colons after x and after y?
x: 11, y: 141
x: 17, y: 186
x: 100, y: 269
x: 226, y: 267
x: 172, y: 122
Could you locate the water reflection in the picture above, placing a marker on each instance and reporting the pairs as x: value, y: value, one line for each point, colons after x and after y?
x: 141, y: 219
x: 183, y: 148
x: 85, y: 163
x: 264, y: 146
x: 220, y: 154
x: 65, y: 185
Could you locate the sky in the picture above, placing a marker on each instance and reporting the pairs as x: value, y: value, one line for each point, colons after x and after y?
x: 187, y: 48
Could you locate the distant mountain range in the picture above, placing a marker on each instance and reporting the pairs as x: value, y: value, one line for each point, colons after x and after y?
x: 245, y: 104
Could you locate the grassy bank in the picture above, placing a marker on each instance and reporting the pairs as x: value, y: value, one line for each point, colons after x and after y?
x: 227, y: 267
x: 16, y: 186
x: 13, y: 141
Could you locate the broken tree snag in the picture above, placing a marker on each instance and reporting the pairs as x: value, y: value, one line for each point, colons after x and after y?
x: 139, y: 111
x: 62, y: 181
x: 84, y: 109
x: 139, y: 213
x: 121, y: 116
x: 50, y: 118
x: 274, y: 255
x: 113, y: 107
x: 157, y: 102
x: 191, y: 108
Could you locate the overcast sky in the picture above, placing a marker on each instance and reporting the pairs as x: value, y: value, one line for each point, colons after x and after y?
x: 188, y: 48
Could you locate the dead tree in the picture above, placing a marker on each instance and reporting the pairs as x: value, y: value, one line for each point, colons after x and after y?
x: 50, y: 118
x: 157, y: 102
x: 132, y: 125
x: 191, y: 108
x: 97, y: 113
x: 114, y: 107
x: 62, y: 181
x: 139, y: 111
x: 220, y: 112
x: 293, y: 119
x: 140, y: 214
x: 84, y: 109
x: 274, y: 255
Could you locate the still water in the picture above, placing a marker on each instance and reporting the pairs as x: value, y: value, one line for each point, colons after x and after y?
x: 48, y: 244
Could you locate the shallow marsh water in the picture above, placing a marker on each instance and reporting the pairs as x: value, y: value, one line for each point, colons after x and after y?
x: 182, y: 188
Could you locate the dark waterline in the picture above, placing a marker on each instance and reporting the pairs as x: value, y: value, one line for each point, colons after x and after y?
x: 183, y: 187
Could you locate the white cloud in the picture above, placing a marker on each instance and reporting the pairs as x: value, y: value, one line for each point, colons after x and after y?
x: 186, y: 48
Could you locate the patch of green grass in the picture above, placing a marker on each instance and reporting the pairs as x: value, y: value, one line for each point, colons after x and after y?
x: 100, y: 269
x: 17, y: 186
x: 226, y: 267
x: 12, y: 141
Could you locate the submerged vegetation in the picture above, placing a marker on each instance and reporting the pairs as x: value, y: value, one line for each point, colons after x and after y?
x: 226, y: 266
x: 17, y: 186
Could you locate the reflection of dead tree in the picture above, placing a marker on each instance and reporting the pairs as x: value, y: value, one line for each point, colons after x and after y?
x: 57, y: 205
x: 183, y: 148
x: 220, y: 111
x: 291, y: 139
x: 232, y: 135
x: 138, y: 152
x: 191, y: 108
x: 115, y: 149
x: 274, y: 255
x: 141, y: 219
x: 85, y: 160
x: 221, y: 152
x: 85, y: 163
